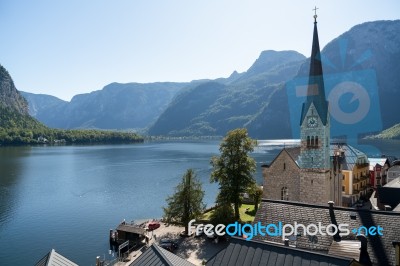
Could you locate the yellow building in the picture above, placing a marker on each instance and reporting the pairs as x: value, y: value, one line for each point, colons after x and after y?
x: 354, y: 168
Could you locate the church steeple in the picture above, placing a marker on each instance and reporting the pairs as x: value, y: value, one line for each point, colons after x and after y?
x: 315, y: 122
x: 316, y: 88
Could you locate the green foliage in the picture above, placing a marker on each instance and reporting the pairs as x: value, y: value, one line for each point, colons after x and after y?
x: 255, y: 192
x: 21, y: 129
x: 223, y: 214
x: 234, y: 168
x: 187, y: 202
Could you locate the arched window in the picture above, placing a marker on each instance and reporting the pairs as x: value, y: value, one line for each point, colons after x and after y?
x: 284, y: 193
x: 308, y: 141
x: 316, y: 141
x: 312, y: 141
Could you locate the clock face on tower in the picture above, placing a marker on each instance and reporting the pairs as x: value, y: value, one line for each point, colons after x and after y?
x: 312, y: 121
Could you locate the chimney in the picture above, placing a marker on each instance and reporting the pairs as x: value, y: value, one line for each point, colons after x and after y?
x: 336, y: 237
x: 286, y: 242
x: 364, y: 256
x: 396, y: 245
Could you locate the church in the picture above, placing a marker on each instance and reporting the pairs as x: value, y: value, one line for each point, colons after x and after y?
x: 303, y: 185
x: 308, y: 173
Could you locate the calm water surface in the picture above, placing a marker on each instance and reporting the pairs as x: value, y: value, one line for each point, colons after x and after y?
x: 68, y: 197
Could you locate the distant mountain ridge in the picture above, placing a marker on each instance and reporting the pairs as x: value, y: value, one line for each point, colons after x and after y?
x: 256, y: 99
x: 215, y: 107
x: 116, y: 106
x: 17, y: 127
x: 371, y: 46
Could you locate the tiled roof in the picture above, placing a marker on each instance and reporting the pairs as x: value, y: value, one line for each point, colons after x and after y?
x: 352, y: 156
x: 389, y: 196
x: 157, y: 256
x: 242, y: 253
x: 55, y: 259
x: 380, y: 248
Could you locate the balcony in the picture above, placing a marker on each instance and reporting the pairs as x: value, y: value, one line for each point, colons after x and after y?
x: 356, y: 191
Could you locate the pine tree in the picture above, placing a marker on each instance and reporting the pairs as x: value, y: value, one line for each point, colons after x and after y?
x: 187, y: 202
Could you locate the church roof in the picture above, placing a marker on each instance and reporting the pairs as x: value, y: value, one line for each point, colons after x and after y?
x: 316, y: 87
x: 380, y: 248
x: 352, y: 156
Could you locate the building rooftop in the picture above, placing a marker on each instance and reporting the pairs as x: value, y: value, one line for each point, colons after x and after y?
x: 241, y: 253
x: 131, y: 229
x: 54, y: 259
x: 394, y: 183
x: 352, y: 156
x: 374, y: 161
x: 379, y: 248
x: 157, y: 256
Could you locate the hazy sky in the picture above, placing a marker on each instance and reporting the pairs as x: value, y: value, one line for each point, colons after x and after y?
x: 67, y: 47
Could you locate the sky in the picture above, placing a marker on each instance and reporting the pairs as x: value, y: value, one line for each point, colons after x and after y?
x: 70, y: 47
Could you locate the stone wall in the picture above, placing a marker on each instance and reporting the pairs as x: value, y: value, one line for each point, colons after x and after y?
x: 314, y: 186
x: 283, y: 172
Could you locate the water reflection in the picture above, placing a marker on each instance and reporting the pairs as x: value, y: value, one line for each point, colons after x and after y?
x: 11, y: 167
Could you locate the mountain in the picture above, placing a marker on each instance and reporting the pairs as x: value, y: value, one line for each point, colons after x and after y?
x: 215, y: 107
x: 17, y: 127
x: 116, y: 106
x: 261, y: 99
x: 40, y: 104
x: 9, y: 96
x: 13, y: 107
x: 367, y: 55
x: 390, y: 133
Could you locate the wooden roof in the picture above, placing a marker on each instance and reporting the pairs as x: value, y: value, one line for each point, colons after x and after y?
x: 131, y: 229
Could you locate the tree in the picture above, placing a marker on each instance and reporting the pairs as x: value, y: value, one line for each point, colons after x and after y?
x: 255, y: 192
x: 234, y: 168
x: 187, y: 202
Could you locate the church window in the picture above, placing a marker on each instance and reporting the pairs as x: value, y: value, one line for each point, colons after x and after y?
x: 312, y: 141
x: 316, y: 141
x: 284, y: 166
x: 308, y: 141
x: 284, y: 193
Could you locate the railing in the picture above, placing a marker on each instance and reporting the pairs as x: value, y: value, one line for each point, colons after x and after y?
x: 356, y: 191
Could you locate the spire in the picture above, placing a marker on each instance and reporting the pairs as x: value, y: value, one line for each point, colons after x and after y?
x: 316, y: 88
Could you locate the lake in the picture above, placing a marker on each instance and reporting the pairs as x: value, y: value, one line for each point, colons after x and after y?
x: 69, y: 197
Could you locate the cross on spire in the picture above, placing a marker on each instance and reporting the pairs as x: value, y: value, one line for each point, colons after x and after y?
x: 315, y: 14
